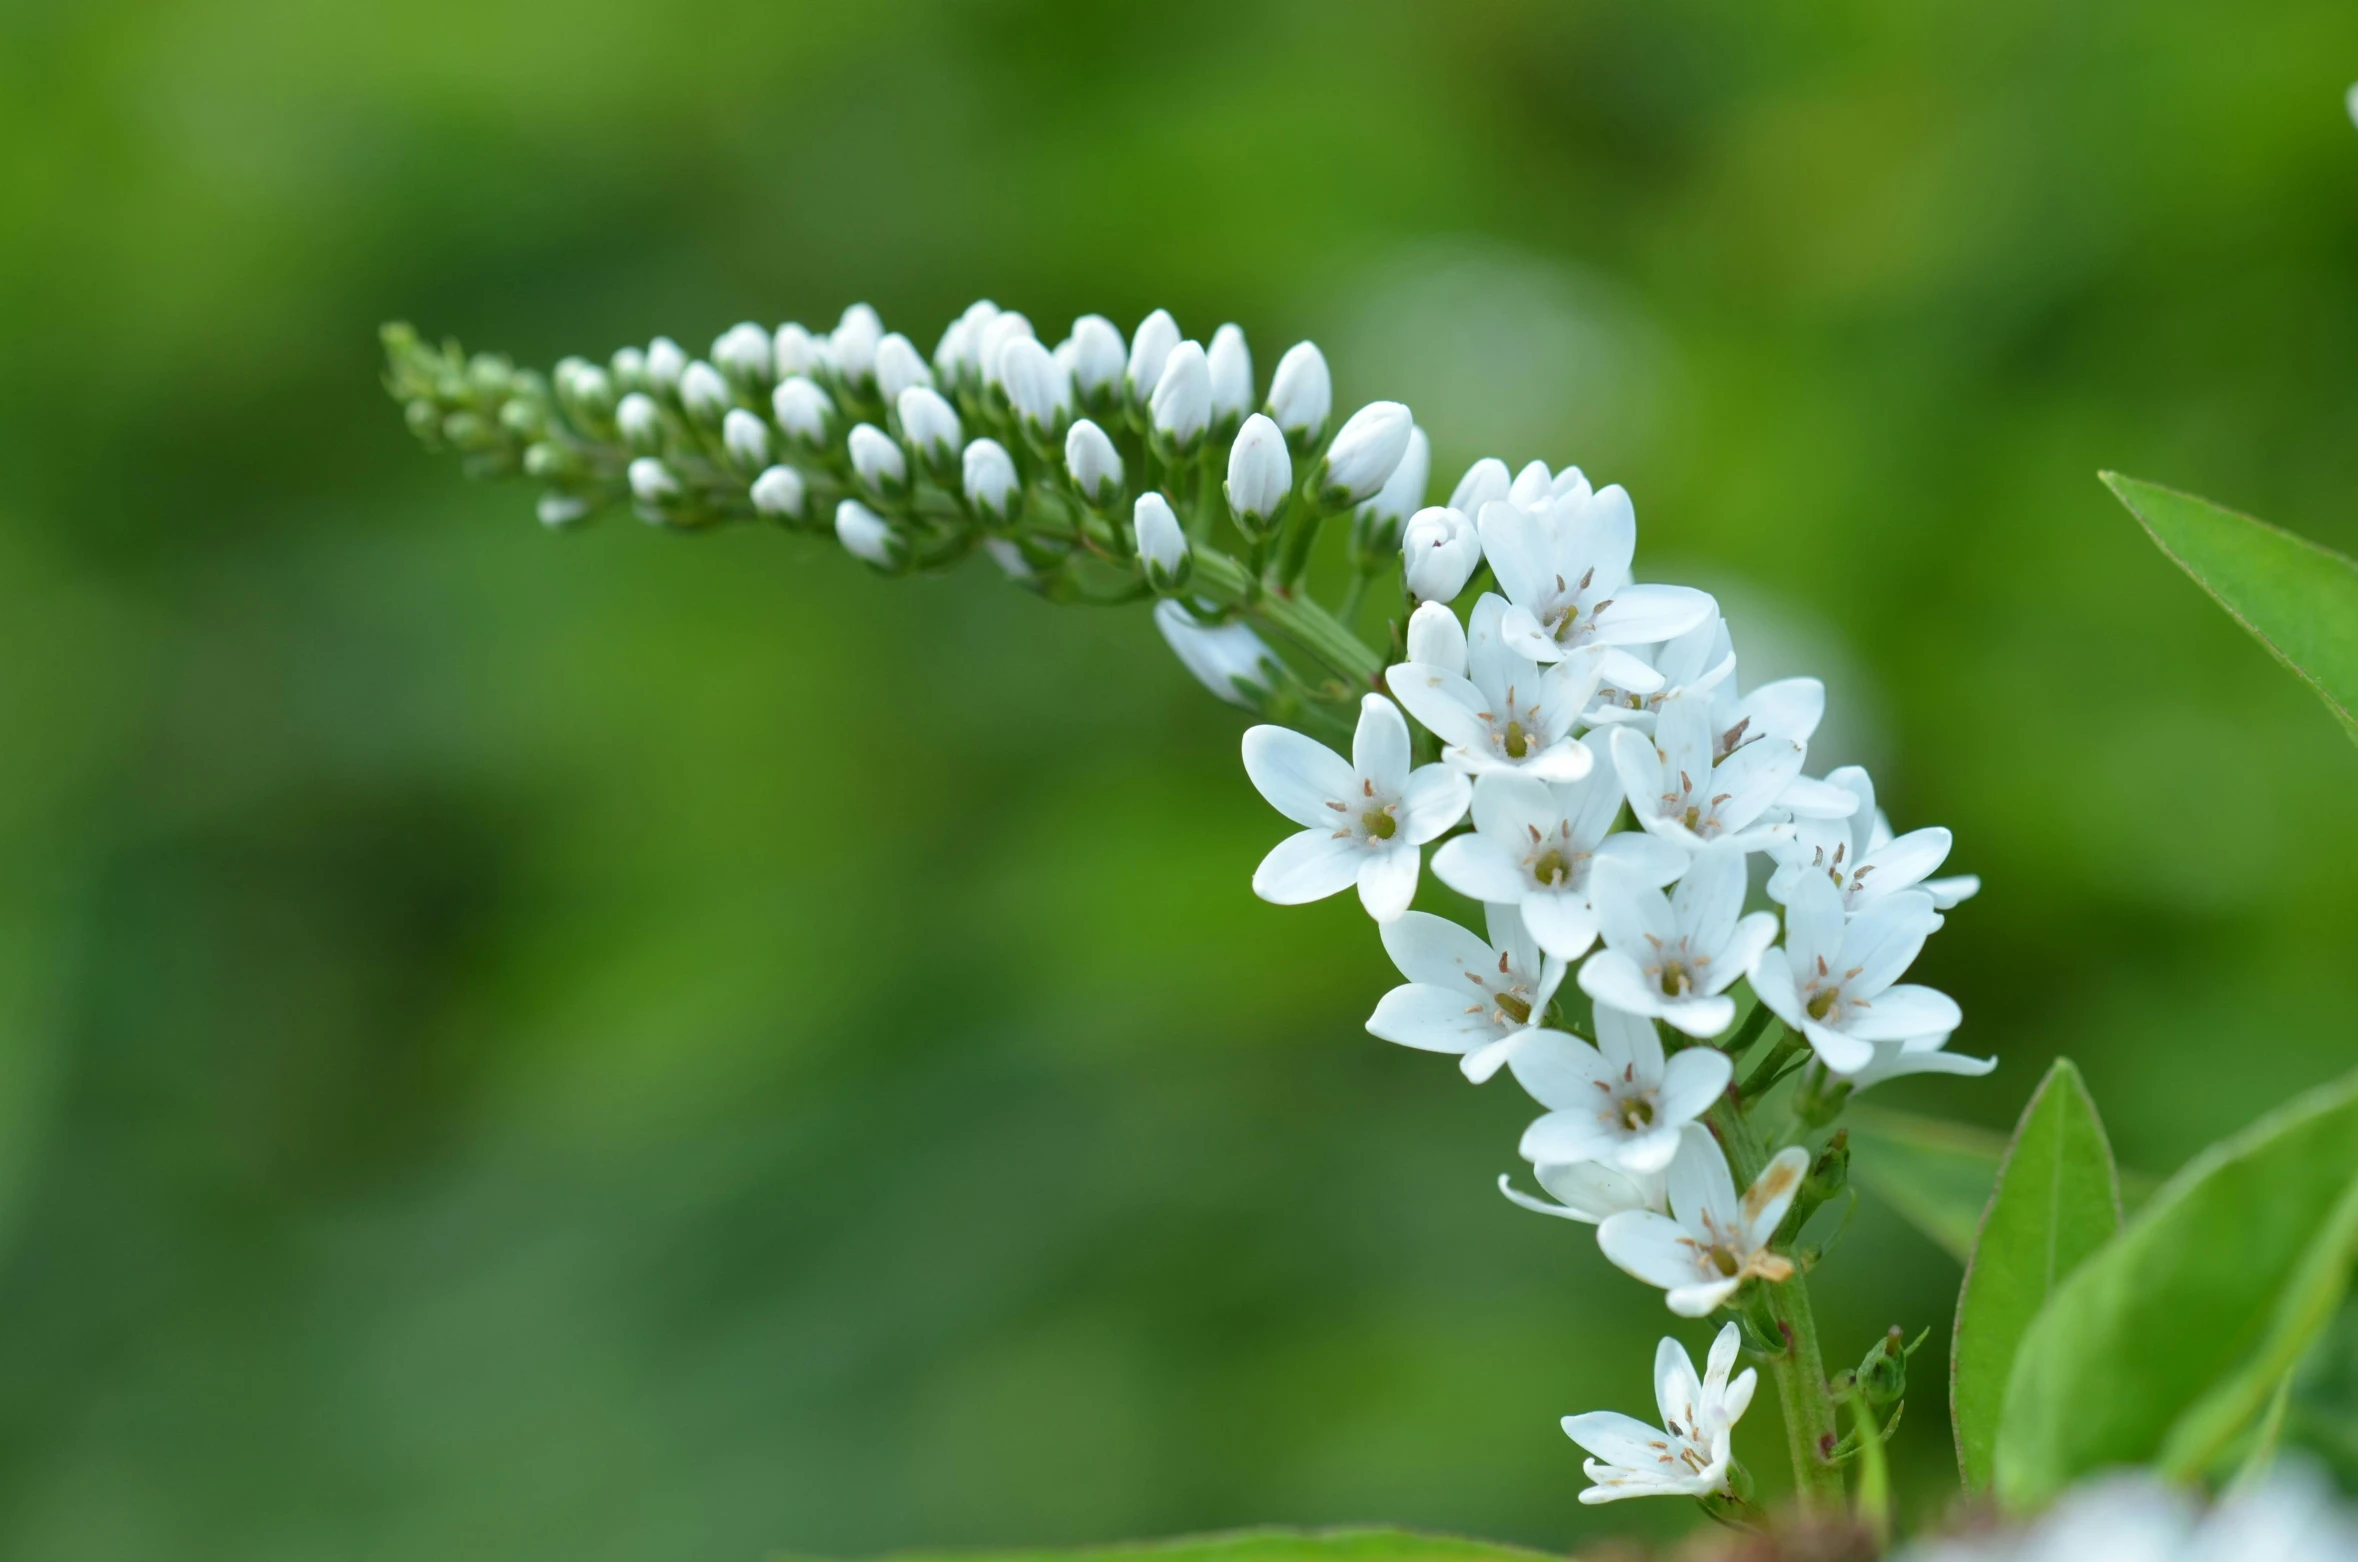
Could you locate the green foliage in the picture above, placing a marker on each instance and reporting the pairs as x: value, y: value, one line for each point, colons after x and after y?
x: 2057, y: 1200
x: 1937, y: 1175
x: 1267, y: 1545
x: 2298, y: 599
x: 2169, y: 1342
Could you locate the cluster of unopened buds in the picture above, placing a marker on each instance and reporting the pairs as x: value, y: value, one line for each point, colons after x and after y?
x: 1584, y: 760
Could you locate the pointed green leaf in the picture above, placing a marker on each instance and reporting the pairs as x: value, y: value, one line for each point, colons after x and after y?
x: 1267, y: 1545
x: 2057, y: 1200
x: 2168, y: 1342
x: 2298, y: 599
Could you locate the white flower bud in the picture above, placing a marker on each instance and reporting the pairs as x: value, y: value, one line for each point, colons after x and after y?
x: 867, y: 535
x: 747, y: 439
x: 1095, y: 465
x: 795, y: 351
x: 1485, y: 482
x: 1182, y: 401
x: 704, y: 395
x: 558, y: 511
x: 651, y: 482
x: 742, y: 352
x: 1004, y: 327
x: 1008, y: 555
x: 1218, y: 657
x: 929, y: 424
x: 990, y: 480
x: 957, y: 358
x: 586, y: 390
x: 629, y: 366
x: 779, y: 492
x: 1231, y: 364
x: 1036, y: 387
x: 877, y: 461
x: 641, y: 422
x: 1530, y: 488
x: 1301, y: 394
x: 898, y: 367
x: 1162, y: 545
x: 853, y: 343
x: 1403, y: 492
x: 803, y: 410
x: 1156, y: 335
x: 1438, y: 551
x: 1365, y: 452
x: 1098, y: 359
x: 666, y: 362
x: 1437, y: 639
x: 1260, y: 474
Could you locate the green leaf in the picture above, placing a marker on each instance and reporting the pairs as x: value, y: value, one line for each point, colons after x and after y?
x: 2298, y: 599
x: 2057, y: 1200
x: 1266, y: 1545
x: 2169, y: 1341
x: 1936, y: 1175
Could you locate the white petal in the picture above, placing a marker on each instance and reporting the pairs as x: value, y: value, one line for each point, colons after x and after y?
x: 1577, y: 1135
x: 1772, y: 1193
x: 1948, y: 892
x: 1755, y: 933
x: 1808, y: 798
x: 1628, y: 1044
x: 1898, y: 1013
x: 1616, y: 1438
x: 1640, y: 615
x: 1432, y: 1019
x: 1516, y: 544
x: 1633, y: 917
x: 1752, y: 778
x: 1379, y: 749
x: 1678, y: 1392
x: 1443, y: 703
x: 1894, y: 1059
x: 1434, y: 799
x: 1387, y: 880
x: 1544, y: 1207
x: 1561, y: 1072
x: 1436, y: 951
x: 1772, y: 983
x: 1702, y: 1016
x: 1565, y: 762
x: 1436, y: 639
x: 1560, y: 922
x: 1638, y: 765
x: 1652, y: 859
x: 1651, y: 1247
x: 1701, y: 1188
x: 1298, y: 775
x: 1903, y: 863
x: 1306, y: 867
x: 1613, y: 978
x: 1479, y: 868
x: 1598, y: 1193
x: 1700, y: 1301
x: 1790, y: 708
x: 1843, y: 1054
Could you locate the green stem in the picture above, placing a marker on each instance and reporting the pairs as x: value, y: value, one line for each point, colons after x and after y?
x: 1767, y: 1073
x: 1301, y: 620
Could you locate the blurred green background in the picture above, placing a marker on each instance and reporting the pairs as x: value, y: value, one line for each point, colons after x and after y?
x: 625, y: 1046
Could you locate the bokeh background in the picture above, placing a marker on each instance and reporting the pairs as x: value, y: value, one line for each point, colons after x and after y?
x: 626, y: 1046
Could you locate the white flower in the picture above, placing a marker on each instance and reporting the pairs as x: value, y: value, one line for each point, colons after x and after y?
x: 1677, y: 791
x: 558, y: 511
x: 1231, y: 364
x: 1716, y: 1242
x: 1436, y: 639
x: 1916, y: 1055
x: 778, y: 491
x: 651, y: 482
x: 1301, y: 394
x: 1364, y: 820
x: 1439, y: 550
x: 1789, y: 708
x: 1833, y: 979
x: 1689, y: 1455
x: 641, y: 421
x: 1008, y: 555
x: 1464, y: 994
x: 1365, y: 451
x: 1181, y: 407
x: 666, y: 362
x: 1565, y: 567
x: 795, y: 351
x: 991, y: 339
x: 877, y: 461
x: 1862, y: 859
x: 1675, y: 956
x: 704, y: 395
x: 955, y: 355
x: 1037, y: 387
x: 746, y: 438
x: 1485, y: 482
x: 803, y: 410
x: 1619, y: 1102
x: 989, y: 479
x: 1696, y: 662
x: 929, y: 423
x: 1533, y: 845
x: 1224, y: 658
x: 1150, y: 345
x: 1507, y: 712
x: 742, y: 352
x: 1162, y: 546
x: 2290, y: 1515
x: 1588, y: 1192
x: 1098, y: 358
x: 867, y: 535
x: 1260, y: 473
x: 852, y: 346
x: 1093, y: 462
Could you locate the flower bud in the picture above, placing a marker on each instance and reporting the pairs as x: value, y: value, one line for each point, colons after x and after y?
x: 795, y: 351
x: 1438, y: 551
x: 549, y: 461
x: 1403, y: 494
x: 1883, y: 1373
x: 852, y: 345
x: 1231, y: 364
x: 1260, y: 475
x: 1531, y: 486
x: 1162, y: 546
x: 666, y: 362
x: 629, y: 368
x: 778, y: 493
x: 743, y: 353
x: 1485, y: 482
x: 991, y: 341
x: 1229, y: 660
x: 1301, y: 395
x: 867, y: 535
x: 586, y: 392
x: 878, y: 462
x: 1181, y: 406
x: 747, y: 439
x: 559, y: 511
x: 704, y: 395
x: 1098, y: 360
x: 652, y: 483
x: 957, y: 358
x: 990, y: 481
x: 1093, y: 462
x: 1156, y: 335
x: 1365, y: 453
x: 804, y: 411
x: 1036, y: 388
x: 898, y: 367
x: 1007, y: 553
x: 1437, y: 639
x: 641, y: 422
x: 929, y: 425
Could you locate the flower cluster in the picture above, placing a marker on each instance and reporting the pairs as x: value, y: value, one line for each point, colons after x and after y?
x: 2291, y: 1515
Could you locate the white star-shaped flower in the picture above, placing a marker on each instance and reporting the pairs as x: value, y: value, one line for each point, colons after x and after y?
x: 1712, y: 1241
x: 1675, y: 956
x: 1833, y: 981
x: 1506, y: 711
x: 1588, y: 1191
x: 1564, y: 565
x: 1364, y: 820
x: 1680, y: 790
x: 1862, y: 859
x: 1688, y: 1456
x: 1618, y: 1102
x: 1532, y: 847
x: 1699, y: 661
x: 1463, y: 994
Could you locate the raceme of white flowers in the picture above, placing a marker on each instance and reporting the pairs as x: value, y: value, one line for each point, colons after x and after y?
x: 1576, y: 745
x: 2291, y: 1515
